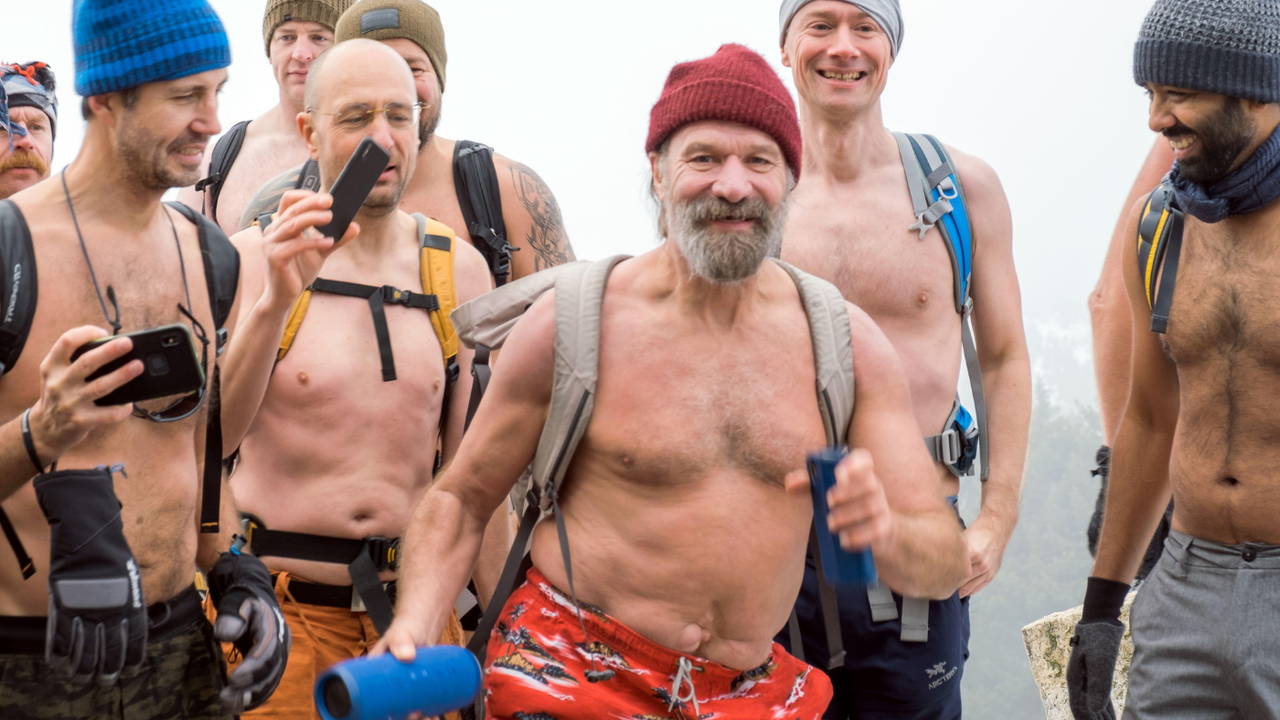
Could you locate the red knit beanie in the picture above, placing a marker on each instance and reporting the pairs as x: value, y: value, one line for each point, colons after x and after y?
x: 736, y: 85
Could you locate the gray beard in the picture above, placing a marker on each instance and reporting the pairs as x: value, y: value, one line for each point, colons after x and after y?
x: 725, y: 258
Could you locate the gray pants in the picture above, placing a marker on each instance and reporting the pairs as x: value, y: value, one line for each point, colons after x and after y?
x: 1206, y: 634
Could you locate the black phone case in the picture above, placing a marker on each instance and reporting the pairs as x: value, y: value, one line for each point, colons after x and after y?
x: 354, y: 185
x: 170, y: 365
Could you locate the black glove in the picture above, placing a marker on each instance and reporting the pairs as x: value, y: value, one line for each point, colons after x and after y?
x: 97, y: 617
x: 249, y: 617
x: 1094, y: 649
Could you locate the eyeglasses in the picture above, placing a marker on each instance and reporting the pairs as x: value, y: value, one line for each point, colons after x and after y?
x: 358, y: 117
x: 187, y: 406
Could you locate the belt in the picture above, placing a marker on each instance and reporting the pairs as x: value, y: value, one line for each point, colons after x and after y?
x: 338, y: 596
x: 25, y: 635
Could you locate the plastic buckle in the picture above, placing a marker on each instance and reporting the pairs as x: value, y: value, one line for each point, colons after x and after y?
x: 383, y: 551
x: 949, y: 447
x: 393, y: 296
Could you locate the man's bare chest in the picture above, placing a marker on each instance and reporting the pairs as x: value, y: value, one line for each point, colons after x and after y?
x: 438, y: 202
x: 260, y: 160
x: 675, y: 411
x: 1227, y: 299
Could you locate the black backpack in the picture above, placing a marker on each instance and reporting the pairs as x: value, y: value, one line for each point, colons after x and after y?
x: 225, y: 152
x: 18, y: 267
x: 476, y: 182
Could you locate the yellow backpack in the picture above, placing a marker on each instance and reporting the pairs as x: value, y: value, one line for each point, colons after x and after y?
x: 437, y: 297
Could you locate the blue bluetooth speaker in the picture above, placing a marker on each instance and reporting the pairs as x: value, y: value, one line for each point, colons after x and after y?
x: 440, y: 679
x: 839, y: 566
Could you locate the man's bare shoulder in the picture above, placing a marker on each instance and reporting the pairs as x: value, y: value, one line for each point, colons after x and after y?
x: 534, y: 222
x: 874, y: 358
x: 249, y: 239
x: 981, y: 183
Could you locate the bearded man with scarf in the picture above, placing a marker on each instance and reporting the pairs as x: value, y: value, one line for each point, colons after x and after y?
x: 1200, y: 422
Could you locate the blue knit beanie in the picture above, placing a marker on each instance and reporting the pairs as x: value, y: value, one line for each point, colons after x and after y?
x: 121, y: 44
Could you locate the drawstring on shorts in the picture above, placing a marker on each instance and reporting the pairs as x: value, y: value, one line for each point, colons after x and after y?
x: 683, y: 678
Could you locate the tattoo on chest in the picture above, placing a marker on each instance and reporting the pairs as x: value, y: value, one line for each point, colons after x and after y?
x: 546, y: 234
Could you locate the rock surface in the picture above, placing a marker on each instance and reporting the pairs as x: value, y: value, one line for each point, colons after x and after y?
x: 1048, y: 642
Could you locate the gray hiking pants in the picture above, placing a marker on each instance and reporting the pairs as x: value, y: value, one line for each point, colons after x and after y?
x: 1206, y: 634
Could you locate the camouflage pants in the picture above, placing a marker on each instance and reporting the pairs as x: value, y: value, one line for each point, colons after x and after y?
x: 180, y: 678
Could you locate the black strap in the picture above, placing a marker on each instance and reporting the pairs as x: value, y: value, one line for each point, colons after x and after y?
x: 797, y: 638
x: 480, y: 199
x: 211, y: 491
x: 513, y: 573
x: 830, y: 607
x: 225, y: 152
x: 377, y: 297
x: 309, y: 176
x: 480, y: 374
x: 303, y: 546
x: 18, y: 286
x: 364, y: 576
x: 11, y: 534
x: 1171, y: 252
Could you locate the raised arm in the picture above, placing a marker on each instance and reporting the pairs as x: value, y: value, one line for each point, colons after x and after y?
x: 534, y: 225
x: 1139, y: 491
x: 887, y: 494
x: 1006, y: 369
x: 444, y: 537
x: 274, y: 269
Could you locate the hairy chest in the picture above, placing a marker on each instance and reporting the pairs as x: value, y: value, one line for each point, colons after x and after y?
x: 1226, y: 299
x: 672, y: 407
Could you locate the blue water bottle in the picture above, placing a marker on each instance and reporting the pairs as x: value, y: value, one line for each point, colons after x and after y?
x: 440, y: 679
x: 839, y: 566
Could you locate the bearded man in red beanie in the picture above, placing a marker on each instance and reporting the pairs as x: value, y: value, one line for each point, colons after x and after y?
x: 666, y: 403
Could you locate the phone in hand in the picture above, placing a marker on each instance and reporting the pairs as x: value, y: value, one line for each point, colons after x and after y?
x: 170, y: 365
x: 354, y: 185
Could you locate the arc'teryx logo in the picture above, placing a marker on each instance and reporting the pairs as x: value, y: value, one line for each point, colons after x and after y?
x: 132, y: 569
x: 937, y: 669
x: 942, y: 674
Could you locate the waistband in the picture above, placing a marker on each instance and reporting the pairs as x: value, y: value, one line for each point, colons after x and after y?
x: 610, y: 638
x: 25, y: 635
x: 320, y: 594
x: 1194, y: 552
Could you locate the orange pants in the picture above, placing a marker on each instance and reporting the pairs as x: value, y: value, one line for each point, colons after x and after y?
x: 322, y: 637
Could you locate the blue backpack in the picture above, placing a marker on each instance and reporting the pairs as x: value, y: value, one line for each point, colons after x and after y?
x: 938, y: 200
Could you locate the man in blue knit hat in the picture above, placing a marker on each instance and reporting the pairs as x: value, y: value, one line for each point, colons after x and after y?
x: 28, y: 123
x: 1200, y: 424
x: 101, y: 615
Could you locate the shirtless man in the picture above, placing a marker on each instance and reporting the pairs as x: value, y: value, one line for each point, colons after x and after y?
x: 340, y: 451
x: 27, y: 133
x: 114, y: 526
x: 850, y: 221
x: 1200, y: 420
x: 528, y: 210
x: 687, y: 544
x: 1110, y: 316
x: 295, y: 32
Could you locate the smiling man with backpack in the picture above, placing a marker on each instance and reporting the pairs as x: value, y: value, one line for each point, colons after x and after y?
x: 919, y: 236
x: 666, y: 403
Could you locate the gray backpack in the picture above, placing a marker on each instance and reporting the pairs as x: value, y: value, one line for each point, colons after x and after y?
x: 485, y: 323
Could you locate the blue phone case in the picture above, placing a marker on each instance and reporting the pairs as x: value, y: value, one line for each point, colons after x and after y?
x: 839, y: 566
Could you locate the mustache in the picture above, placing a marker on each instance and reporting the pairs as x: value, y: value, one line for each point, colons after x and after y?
x: 1177, y: 130
x: 707, y: 209
x: 24, y: 159
x: 190, y: 138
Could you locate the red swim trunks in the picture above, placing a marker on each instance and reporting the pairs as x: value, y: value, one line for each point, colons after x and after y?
x: 538, y: 660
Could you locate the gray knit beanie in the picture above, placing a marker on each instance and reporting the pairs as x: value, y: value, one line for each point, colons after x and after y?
x: 1229, y: 47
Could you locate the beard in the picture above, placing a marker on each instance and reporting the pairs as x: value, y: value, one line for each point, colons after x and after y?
x: 1224, y: 136
x: 427, y: 127
x: 719, y: 257
x: 381, y: 202
x: 147, y: 164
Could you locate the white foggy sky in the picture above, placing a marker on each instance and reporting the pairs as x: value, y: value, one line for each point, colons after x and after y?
x: 1041, y: 91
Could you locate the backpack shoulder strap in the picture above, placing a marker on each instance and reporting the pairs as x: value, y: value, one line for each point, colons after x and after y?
x: 832, y: 351
x: 579, y: 299
x: 938, y: 199
x: 225, y: 152
x: 1159, y: 249
x: 437, y: 241
x: 475, y: 180
x: 18, y: 287
x: 221, y: 268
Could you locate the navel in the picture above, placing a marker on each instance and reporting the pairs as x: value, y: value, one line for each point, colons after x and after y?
x: 1230, y: 481
x: 692, y: 638
x: 303, y: 378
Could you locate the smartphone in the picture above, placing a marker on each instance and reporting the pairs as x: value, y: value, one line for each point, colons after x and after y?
x: 354, y: 185
x: 839, y: 566
x: 169, y: 361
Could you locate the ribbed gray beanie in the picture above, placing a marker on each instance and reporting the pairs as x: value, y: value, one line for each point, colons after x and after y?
x: 1229, y: 47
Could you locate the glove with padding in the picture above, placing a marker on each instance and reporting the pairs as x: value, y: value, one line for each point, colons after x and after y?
x: 97, y: 616
x: 1091, y: 669
x: 249, y: 617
